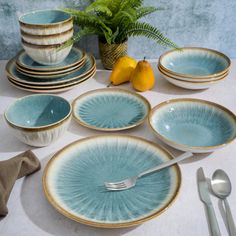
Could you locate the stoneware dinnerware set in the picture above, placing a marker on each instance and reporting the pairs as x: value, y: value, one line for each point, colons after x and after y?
x: 194, y: 68
x: 74, y: 178
x: 47, y: 64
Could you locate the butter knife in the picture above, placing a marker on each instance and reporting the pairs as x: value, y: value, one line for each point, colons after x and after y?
x: 205, y: 198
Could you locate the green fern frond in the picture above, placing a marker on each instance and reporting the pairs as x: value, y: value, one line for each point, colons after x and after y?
x: 123, y: 18
x: 98, y: 9
x: 143, y: 11
x: 148, y: 31
x: 131, y: 4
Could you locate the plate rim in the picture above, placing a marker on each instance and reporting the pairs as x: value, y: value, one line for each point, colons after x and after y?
x: 56, y: 90
x: 110, y: 225
x: 59, y: 68
x: 183, y: 146
x: 11, y: 61
x: 88, y: 93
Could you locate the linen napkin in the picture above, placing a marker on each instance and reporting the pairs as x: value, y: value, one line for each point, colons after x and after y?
x: 10, y: 170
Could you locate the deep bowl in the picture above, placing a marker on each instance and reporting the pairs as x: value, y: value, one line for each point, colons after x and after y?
x: 193, y: 125
x: 47, y: 54
x: 38, y: 120
x: 195, y: 62
x: 45, y: 22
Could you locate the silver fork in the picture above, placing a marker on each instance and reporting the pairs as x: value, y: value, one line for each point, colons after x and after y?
x: 131, y: 182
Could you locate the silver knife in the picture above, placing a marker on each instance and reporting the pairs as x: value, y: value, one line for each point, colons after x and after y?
x: 205, y: 198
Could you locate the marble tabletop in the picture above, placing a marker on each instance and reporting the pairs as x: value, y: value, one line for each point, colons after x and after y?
x: 31, y: 214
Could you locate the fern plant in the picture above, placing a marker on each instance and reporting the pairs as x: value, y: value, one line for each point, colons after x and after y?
x: 114, y: 21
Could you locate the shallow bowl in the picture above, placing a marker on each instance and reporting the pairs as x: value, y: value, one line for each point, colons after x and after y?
x: 194, y: 62
x: 193, y: 125
x: 38, y: 120
x: 46, y: 54
x: 194, y: 85
x: 45, y: 22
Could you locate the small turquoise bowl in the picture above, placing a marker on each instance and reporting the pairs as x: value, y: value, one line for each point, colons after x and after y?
x: 193, y: 62
x: 45, y: 17
x: 38, y: 120
x: 193, y: 125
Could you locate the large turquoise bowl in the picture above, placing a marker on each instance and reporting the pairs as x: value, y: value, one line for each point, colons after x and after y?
x: 193, y: 125
x: 193, y: 63
x: 38, y: 120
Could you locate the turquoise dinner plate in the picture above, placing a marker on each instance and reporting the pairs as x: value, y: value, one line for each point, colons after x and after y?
x: 110, y: 109
x: 23, y: 79
x: 73, y: 181
x: 75, y: 57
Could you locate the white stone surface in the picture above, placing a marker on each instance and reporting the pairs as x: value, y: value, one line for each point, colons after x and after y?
x: 31, y: 215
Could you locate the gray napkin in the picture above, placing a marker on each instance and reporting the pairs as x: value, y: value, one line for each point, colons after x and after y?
x: 10, y: 170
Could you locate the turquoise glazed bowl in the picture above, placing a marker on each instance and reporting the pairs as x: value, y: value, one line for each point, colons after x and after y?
x: 73, y: 181
x: 45, y: 22
x: 195, y: 63
x: 38, y: 120
x: 193, y: 125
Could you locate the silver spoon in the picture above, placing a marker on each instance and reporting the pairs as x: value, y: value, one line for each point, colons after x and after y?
x: 221, y: 187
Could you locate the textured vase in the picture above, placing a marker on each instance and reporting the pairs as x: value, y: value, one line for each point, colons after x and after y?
x: 111, y: 52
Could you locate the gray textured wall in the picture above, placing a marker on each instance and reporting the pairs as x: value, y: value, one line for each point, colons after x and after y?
x: 206, y: 23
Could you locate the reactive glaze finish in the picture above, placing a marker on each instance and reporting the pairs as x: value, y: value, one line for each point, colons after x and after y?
x: 11, y: 71
x: 39, y: 120
x: 193, y: 125
x: 110, y: 109
x: 195, y: 62
x: 45, y: 22
x: 74, y: 181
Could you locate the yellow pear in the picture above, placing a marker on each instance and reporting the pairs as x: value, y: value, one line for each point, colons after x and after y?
x: 122, y: 70
x: 143, y: 78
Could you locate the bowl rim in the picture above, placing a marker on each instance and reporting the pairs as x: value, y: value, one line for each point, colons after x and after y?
x: 42, y: 127
x: 47, y: 24
x: 115, y: 90
x: 195, y: 48
x: 183, y: 146
x: 216, y: 80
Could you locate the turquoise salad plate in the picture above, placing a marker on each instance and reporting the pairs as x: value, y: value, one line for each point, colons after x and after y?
x: 75, y: 57
x: 193, y: 125
x: 16, y: 76
x: 194, y: 62
x: 110, y: 109
x: 73, y: 181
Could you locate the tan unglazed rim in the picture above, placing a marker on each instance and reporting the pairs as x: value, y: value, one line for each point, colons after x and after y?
x: 109, y: 90
x: 44, y: 47
x: 47, y: 75
x: 199, y: 49
x: 182, y: 146
x: 50, y: 69
x: 58, y: 86
x: 39, y: 128
x: 222, y: 77
x: 48, y: 36
x: 52, y: 90
x: 10, y: 62
x: 42, y: 26
x: 64, y: 212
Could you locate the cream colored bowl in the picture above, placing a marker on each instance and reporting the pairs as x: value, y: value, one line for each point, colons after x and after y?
x: 47, y: 39
x: 46, y: 54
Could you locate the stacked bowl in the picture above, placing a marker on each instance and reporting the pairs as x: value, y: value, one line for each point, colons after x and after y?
x: 194, y: 68
x: 43, y: 32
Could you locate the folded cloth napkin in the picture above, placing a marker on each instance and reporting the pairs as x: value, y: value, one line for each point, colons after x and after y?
x: 10, y: 170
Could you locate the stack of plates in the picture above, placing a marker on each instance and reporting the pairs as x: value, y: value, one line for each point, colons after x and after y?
x: 26, y: 74
x: 194, y: 68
